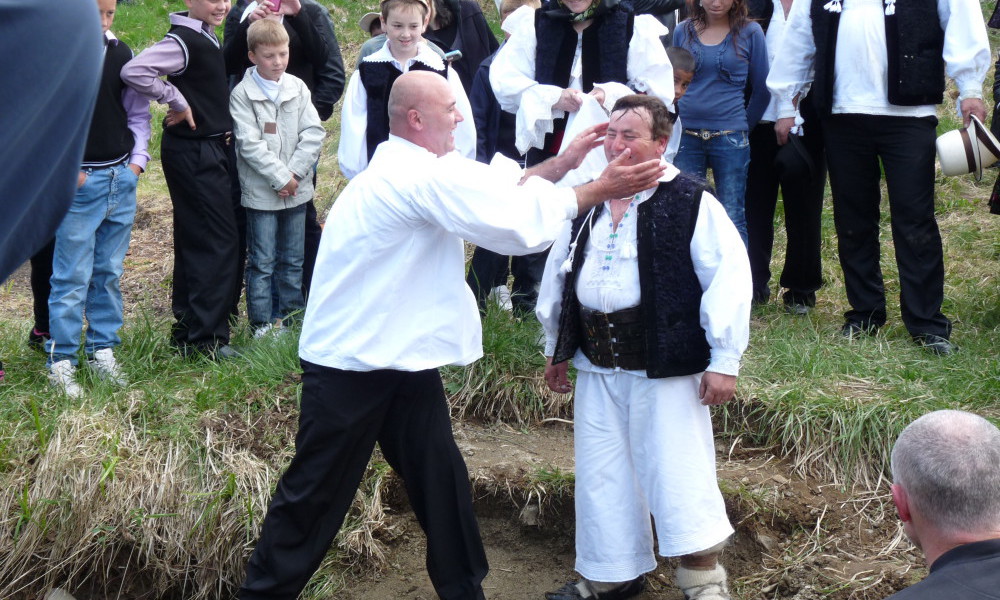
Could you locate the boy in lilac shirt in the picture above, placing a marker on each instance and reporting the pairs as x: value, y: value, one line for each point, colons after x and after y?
x: 196, y: 132
x: 92, y: 240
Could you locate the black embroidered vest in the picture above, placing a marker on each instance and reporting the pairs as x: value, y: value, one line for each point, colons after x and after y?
x: 204, y: 84
x: 378, y: 77
x: 670, y: 290
x: 914, y: 46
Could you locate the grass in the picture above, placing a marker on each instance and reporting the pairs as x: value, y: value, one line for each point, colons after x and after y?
x: 172, y: 475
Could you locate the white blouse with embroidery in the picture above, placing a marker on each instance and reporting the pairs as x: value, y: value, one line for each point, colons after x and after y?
x: 512, y: 74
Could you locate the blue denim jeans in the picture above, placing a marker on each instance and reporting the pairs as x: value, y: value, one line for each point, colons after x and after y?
x: 275, y: 249
x: 87, y: 262
x: 728, y: 155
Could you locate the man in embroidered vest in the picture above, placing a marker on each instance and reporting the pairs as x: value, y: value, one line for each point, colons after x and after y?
x: 946, y: 487
x: 650, y: 297
x: 876, y: 69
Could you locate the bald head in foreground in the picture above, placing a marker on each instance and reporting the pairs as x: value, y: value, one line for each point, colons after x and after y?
x: 387, y: 307
x: 946, y: 487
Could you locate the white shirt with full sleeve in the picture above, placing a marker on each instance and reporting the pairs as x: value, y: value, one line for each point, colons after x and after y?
x: 720, y: 263
x: 352, y: 152
x: 389, y: 289
x: 512, y: 74
x: 860, y: 66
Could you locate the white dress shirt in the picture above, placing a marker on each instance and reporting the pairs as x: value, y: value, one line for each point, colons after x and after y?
x: 512, y: 74
x: 352, y: 152
x: 720, y: 263
x: 860, y: 78
x: 389, y: 288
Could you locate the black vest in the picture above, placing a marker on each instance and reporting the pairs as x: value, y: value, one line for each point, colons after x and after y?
x: 670, y: 290
x: 109, y: 140
x: 914, y: 46
x: 604, y: 56
x: 204, y: 84
x: 378, y: 77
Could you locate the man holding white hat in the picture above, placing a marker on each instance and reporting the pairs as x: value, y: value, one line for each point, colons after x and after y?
x: 875, y: 85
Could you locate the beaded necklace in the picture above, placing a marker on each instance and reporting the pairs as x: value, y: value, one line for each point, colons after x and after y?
x: 627, y: 251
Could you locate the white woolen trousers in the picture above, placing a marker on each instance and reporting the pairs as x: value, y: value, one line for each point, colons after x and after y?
x: 643, y: 446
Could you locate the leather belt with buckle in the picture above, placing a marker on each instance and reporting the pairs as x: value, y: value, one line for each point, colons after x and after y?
x: 707, y: 134
x: 614, y: 340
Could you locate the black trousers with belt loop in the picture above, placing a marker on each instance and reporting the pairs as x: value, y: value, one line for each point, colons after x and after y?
x: 343, y: 415
x: 205, y: 240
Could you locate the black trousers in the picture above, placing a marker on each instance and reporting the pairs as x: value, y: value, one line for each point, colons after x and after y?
x: 488, y: 269
x: 802, y: 197
x: 205, y: 240
x: 41, y: 273
x: 343, y: 415
x: 905, y: 145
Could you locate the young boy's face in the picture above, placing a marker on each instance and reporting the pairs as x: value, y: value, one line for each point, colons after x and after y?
x: 212, y: 12
x: 107, y: 9
x: 404, y: 27
x: 682, y: 79
x: 270, y: 60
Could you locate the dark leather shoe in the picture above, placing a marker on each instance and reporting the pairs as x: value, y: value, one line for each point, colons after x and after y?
x: 225, y: 352
x: 935, y: 344
x: 798, y: 309
x: 581, y: 590
x: 855, y: 329
x: 37, y: 339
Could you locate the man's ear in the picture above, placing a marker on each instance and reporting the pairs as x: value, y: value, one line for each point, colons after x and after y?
x: 414, y: 119
x: 902, y: 502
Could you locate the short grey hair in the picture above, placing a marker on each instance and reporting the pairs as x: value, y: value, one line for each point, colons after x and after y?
x: 948, y: 461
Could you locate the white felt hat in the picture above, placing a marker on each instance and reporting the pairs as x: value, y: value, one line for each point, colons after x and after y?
x: 958, y: 152
x: 366, y: 21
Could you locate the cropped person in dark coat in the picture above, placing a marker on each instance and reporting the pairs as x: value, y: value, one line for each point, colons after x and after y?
x: 460, y: 25
x: 946, y: 488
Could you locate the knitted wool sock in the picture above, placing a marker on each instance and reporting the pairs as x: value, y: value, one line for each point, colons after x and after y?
x: 703, y: 584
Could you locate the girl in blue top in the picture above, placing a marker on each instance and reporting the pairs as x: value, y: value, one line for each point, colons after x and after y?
x: 730, y: 56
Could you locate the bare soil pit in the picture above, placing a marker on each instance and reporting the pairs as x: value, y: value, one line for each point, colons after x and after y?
x: 796, y: 538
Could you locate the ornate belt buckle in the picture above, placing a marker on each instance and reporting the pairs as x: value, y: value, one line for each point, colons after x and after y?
x: 705, y: 134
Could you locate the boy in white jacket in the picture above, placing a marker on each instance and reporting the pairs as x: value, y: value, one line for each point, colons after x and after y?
x: 278, y: 140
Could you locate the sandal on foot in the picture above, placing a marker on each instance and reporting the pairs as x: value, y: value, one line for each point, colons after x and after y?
x: 582, y: 590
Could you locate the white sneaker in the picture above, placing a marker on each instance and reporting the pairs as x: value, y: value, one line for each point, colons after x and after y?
x: 104, y: 364
x: 269, y: 329
x: 62, y: 376
x: 501, y: 295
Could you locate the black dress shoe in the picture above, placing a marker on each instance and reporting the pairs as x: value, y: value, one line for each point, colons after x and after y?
x: 936, y: 344
x: 225, y: 352
x: 37, y: 339
x: 799, y: 309
x: 855, y: 329
x: 582, y: 590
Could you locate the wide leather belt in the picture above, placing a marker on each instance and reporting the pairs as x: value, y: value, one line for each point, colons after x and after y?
x: 614, y: 340
x: 707, y: 134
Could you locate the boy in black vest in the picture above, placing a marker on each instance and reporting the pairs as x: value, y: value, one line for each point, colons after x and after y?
x: 364, y: 121
x: 650, y: 297
x: 195, y: 165
x: 92, y: 239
